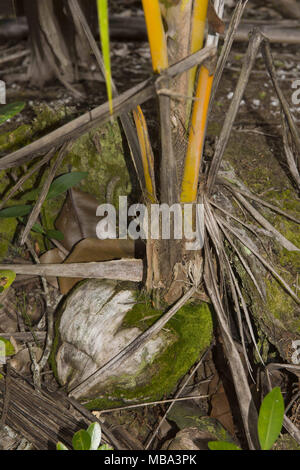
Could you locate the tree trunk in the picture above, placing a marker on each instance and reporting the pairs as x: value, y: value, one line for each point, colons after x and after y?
x: 169, y: 257
x: 55, y: 47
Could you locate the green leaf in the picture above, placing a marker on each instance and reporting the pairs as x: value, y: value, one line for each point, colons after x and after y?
x: 222, y: 445
x: 56, y: 234
x: 9, y: 349
x: 61, y: 446
x: 7, y: 277
x: 64, y: 182
x: 105, y: 447
x: 60, y: 185
x: 270, y: 418
x: 15, y: 211
x: 94, y: 431
x: 10, y: 110
x: 104, y: 35
x: 81, y: 440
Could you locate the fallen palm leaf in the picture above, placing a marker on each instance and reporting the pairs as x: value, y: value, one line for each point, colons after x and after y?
x: 264, y: 223
x: 248, y: 411
x: 261, y: 259
x: 216, y: 237
x: 253, y: 197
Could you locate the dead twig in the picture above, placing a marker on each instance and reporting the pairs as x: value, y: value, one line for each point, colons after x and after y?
x: 43, y: 194
x: 122, y: 270
x: 253, y: 47
x: 121, y: 104
x: 154, y: 403
x: 27, y: 175
x: 15, y: 56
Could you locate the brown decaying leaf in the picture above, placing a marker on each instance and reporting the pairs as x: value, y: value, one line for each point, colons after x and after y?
x: 217, y: 25
x: 21, y: 361
x: 93, y: 249
x: 77, y: 219
x: 220, y: 408
x: 52, y: 257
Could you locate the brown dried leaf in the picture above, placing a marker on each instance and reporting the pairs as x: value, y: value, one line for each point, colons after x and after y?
x: 52, y: 257
x: 77, y: 219
x: 21, y: 362
x: 93, y: 249
x: 215, y: 23
x: 220, y: 409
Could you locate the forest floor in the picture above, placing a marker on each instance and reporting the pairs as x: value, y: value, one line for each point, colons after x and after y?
x: 258, y: 161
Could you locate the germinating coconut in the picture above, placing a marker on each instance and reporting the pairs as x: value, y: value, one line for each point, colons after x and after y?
x: 99, y: 319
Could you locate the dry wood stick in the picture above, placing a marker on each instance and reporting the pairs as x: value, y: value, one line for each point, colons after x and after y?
x: 285, y: 106
x: 36, y: 210
x: 122, y: 270
x: 249, y: 60
x: 24, y: 178
x: 101, y: 114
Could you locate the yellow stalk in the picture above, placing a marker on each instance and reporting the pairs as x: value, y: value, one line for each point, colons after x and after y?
x: 156, y: 35
x: 146, y: 152
x: 197, y: 39
x: 196, y: 137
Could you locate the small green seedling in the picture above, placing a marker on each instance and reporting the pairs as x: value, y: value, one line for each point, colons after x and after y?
x: 59, y: 186
x: 86, y: 440
x: 269, y: 423
x: 10, y: 110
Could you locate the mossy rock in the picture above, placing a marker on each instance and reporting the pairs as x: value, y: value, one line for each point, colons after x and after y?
x: 100, y: 318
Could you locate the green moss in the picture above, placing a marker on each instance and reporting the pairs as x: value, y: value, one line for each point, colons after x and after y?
x: 282, y: 306
x: 98, y: 152
x: 191, y: 327
x: 13, y: 140
x: 287, y: 200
